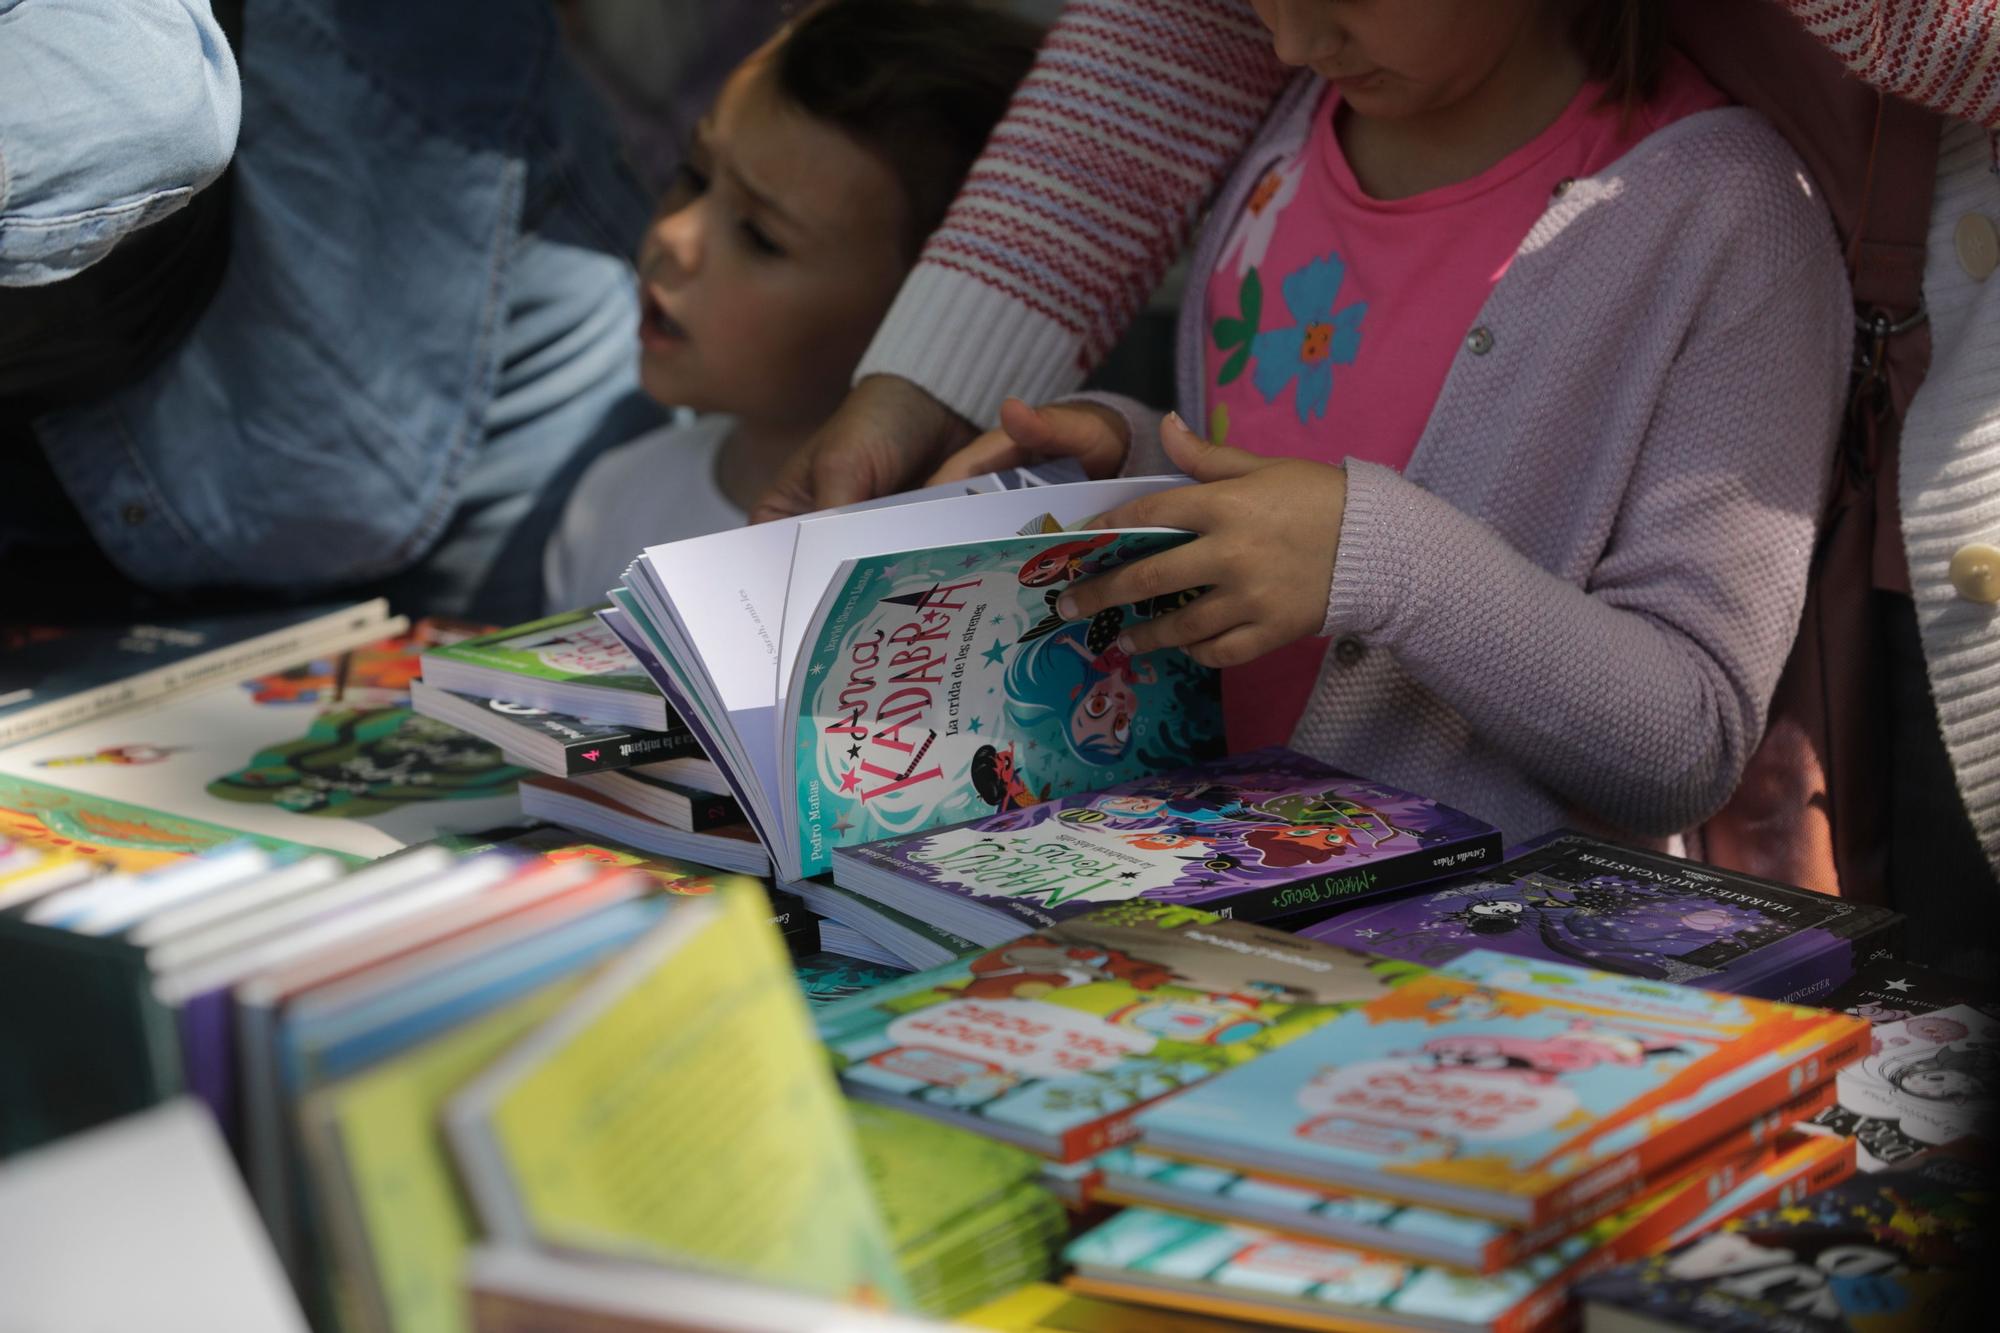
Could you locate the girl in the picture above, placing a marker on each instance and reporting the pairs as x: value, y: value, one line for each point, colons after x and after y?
x: 1520, y: 357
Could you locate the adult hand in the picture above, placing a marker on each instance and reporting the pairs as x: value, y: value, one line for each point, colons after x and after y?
x: 883, y: 436
x: 1094, y: 435
x: 1268, y: 530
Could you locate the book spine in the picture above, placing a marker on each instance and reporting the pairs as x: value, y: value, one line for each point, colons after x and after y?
x: 1322, y: 894
x: 1755, y: 1104
x: 613, y: 753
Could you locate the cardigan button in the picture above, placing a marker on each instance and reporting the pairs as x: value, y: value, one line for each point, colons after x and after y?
x: 1975, y: 573
x: 1480, y: 341
x: 1349, y: 650
x: 1978, y: 245
x: 134, y: 515
x: 1563, y: 186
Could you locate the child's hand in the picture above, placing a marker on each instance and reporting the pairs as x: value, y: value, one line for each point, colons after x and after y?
x: 1268, y: 532
x: 1095, y: 436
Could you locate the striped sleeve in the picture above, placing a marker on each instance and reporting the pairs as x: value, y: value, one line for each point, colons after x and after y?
x: 1131, y: 117
x: 1944, y: 54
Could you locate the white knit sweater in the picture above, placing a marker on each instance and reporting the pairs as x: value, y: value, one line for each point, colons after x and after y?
x: 1950, y: 479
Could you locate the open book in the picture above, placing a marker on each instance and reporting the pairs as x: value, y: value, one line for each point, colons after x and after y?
x: 884, y: 670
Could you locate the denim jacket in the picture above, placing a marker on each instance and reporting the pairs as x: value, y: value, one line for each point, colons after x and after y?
x: 315, y: 425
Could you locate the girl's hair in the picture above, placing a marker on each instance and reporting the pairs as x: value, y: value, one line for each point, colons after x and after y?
x: 1976, y: 1063
x: 919, y: 84
x: 1044, y: 681
x: 1624, y: 43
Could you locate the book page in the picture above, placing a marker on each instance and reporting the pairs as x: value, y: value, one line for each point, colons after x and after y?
x: 682, y: 1111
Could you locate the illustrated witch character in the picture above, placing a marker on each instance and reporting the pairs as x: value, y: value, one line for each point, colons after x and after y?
x: 1063, y: 563
x: 999, y: 782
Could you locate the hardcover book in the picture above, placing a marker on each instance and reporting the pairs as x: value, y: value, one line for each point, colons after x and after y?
x: 55, y: 676
x: 1515, y: 1104
x: 1894, y: 1249
x: 568, y: 663
x: 1053, y: 1041
x: 878, y: 672
x: 1576, y: 899
x: 551, y: 742
x: 1254, y: 836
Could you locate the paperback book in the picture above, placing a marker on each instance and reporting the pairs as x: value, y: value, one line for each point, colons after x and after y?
x: 1254, y: 836
x: 1575, y: 899
x: 1927, y: 1080
x: 1055, y: 1040
x: 550, y: 742
x: 1516, y: 1104
x: 587, y: 810
x: 568, y: 663
x: 55, y: 676
x: 878, y: 672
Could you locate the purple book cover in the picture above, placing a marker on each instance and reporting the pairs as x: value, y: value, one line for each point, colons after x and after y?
x: 1259, y: 835
x: 1576, y: 899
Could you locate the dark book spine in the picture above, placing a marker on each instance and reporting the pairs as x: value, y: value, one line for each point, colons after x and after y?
x: 706, y: 810
x: 606, y: 754
x: 1303, y: 901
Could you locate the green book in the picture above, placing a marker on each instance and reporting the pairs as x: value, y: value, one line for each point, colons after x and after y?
x: 569, y: 663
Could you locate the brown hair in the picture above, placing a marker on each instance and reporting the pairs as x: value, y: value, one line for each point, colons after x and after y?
x: 919, y: 84
x: 1624, y: 43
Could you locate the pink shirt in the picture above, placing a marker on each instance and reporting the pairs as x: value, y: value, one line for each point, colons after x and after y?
x: 1334, y: 317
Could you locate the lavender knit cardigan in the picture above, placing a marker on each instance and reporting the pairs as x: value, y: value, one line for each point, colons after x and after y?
x: 1576, y: 599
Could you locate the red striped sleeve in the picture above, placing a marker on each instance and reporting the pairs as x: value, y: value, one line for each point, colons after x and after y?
x: 1944, y: 54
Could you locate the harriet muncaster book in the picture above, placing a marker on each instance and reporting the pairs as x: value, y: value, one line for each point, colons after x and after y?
x: 550, y: 742
x: 568, y: 663
x: 55, y: 676
x: 1576, y: 899
x: 883, y: 671
x: 1054, y: 1040
x: 1265, y: 834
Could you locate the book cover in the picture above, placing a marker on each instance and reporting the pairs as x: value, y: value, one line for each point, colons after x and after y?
x: 556, y: 743
x: 1928, y: 1080
x: 937, y: 685
x: 55, y: 676
x: 559, y: 663
x: 327, y: 755
x: 1579, y: 900
x: 1054, y: 1040
x: 1803, y: 1164
x: 1505, y: 1103
x: 826, y: 977
x: 1259, y: 835
x: 1893, y: 1249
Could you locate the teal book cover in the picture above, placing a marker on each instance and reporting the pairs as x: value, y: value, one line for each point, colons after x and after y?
x: 936, y: 686
x: 1053, y: 1041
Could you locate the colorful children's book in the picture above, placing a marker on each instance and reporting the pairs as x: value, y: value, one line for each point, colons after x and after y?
x: 1802, y: 1164
x: 676, y: 1112
x: 1897, y: 1249
x: 55, y: 676
x: 1576, y: 899
x: 1517, y: 1104
x: 826, y: 977
x: 897, y: 935
x: 1929, y: 1079
x: 326, y: 754
x: 551, y: 742
x: 1254, y: 836
x: 887, y: 670
x: 566, y: 663
x: 1042, y: 1307
x: 1055, y: 1040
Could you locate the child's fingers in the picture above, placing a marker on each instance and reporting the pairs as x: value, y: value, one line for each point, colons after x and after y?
x: 1233, y: 647
x: 1200, y: 459
x: 991, y: 452
x: 1168, y: 572
x: 1210, y: 616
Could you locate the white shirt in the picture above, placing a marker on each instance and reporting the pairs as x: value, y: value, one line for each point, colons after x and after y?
x: 658, y: 488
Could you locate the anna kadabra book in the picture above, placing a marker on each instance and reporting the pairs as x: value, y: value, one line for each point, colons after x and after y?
x: 1574, y: 899
x: 1519, y: 1095
x: 1053, y: 1041
x: 873, y: 673
x: 1265, y: 834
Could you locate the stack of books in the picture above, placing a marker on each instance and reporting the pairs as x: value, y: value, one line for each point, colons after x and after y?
x: 563, y: 697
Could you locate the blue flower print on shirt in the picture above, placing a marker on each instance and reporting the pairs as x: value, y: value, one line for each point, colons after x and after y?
x: 1309, y: 349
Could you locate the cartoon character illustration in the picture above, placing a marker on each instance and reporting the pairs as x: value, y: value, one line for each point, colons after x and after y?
x: 1583, y: 1047
x: 1332, y: 810
x: 1034, y: 965
x: 1198, y: 1021
x: 140, y: 753
x: 954, y: 1079
x: 999, y: 783
x: 1287, y: 847
x: 1079, y: 674
x: 1967, y: 1075
x: 1064, y: 562
x: 369, y: 761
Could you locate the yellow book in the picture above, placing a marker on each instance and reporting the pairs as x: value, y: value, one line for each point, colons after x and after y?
x: 680, y: 1110
x: 399, y: 1226
x: 1041, y: 1307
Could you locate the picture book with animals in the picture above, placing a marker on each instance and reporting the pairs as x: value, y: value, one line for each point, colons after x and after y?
x: 1054, y: 1040
x: 1576, y: 899
x: 878, y: 672
x: 1897, y: 1249
x: 325, y: 754
x: 1515, y: 1104
x: 1254, y: 836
